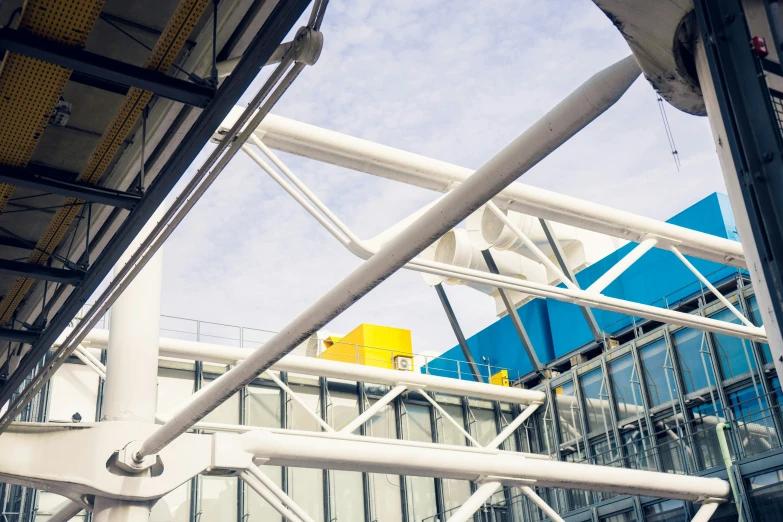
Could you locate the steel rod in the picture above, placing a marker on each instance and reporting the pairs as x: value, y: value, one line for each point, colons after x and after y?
x: 474, y: 502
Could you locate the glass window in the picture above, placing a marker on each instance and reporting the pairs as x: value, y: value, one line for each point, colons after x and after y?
x: 627, y: 392
x: 421, y: 490
x: 262, y: 406
x: 693, y: 352
x: 604, y: 453
x: 455, y: 492
x: 596, y: 401
x: 48, y: 504
x: 658, y: 373
x: 705, y: 419
x: 756, y: 428
x: 755, y: 318
x: 628, y: 516
x: 386, y: 489
x: 218, y: 499
x: 568, y: 412
x: 666, y: 511
x: 257, y: 509
x: 174, y: 388
x: 74, y: 389
x: 639, y: 449
x: 306, y: 486
x: 766, y: 496
x: 483, y: 426
x: 226, y: 413
x: 669, y: 440
x: 734, y: 354
x: 347, y: 486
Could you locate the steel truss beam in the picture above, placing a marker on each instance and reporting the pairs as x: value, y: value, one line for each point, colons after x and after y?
x: 41, y: 272
x: 278, y: 24
x: 56, y: 181
x: 103, y: 72
x: 19, y: 336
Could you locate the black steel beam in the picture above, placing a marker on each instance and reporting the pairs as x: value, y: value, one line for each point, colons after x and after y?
x: 275, y: 28
x: 13, y: 242
x: 41, y: 272
x: 527, y: 344
x: 55, y: 181
x: 105, y: 70
x: 560, y: 256
x: 752, y: 131
x: 463, y: 343
x: 19, y: 336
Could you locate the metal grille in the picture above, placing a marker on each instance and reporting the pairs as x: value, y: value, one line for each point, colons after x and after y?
x: 777, y: 106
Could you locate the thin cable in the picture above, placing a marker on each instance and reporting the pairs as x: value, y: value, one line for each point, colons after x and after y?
x: 668, y: 129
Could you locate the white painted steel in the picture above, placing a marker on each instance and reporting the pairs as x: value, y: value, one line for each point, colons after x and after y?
x: 570, y: 295
x: 279, y: 493
x: 734, y: 191
x: 512, y: 426
x: 474, y: 502
x: 283, y: 386
x: 325, y: 451
x: 566, y: 119
x: 375, y: 408
x: 113, y: 510
x: 451, y: 419
x: 66, y: 512
x: 267, y: 495
x: 705, y: 512
x: 87, y: 362
x: 221, y: 354
x: 546, y: 508
x: 340, y: 149
x: 621, y: 266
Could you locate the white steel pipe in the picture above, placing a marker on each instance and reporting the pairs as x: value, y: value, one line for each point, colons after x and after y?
x: 279, y: 493
x: 375, y: 408
x: 512, y: 426
x: 89, y: 364
x: 570, y: 295
x: 474, y: 502
x: 283, y: 386
x: 544, y: 136
x: 546, y: 508
x: 221, y: 354
x: 309, y: 450
x: 451, y: 419
x: 347, y: 151
x: 66, y: 512
x: 705, y: 512
x: 622, y: 265
x: 267, y: 495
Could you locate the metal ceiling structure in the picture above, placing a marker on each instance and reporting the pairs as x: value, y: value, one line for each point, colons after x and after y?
x: 105, y: 104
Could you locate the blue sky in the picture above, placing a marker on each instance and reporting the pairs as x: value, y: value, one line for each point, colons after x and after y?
x: 455, y: 81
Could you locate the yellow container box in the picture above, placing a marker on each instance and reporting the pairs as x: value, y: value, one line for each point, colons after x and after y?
x: 371, y: 345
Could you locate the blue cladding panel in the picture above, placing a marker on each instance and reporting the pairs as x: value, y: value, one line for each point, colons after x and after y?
x: 557, y: 328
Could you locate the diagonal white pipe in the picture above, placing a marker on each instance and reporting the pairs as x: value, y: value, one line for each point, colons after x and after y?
x: 474, y: 502
x: 622, y: 265
x: 79, y: 353
x: 375, y: 408
x: 705, y: 512
x: 279, y: 493
x: 66, y: 512
x: 513, y: 425
x: 566, y: 119
x: 283, y: 386
x: 267, y: 495
x: 546, y: 508
x: 449, y: 418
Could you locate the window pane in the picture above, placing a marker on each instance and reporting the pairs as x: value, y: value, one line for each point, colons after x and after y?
x: 734, y: 354
x: 639, y: 449
x: 755, y: 318
x: 455, y: 492
x: 74, y: 388
x: 258, y: 510
x: 693, y: 351
x: 753, y: 417
x: 218, y: 499
x: 421, y: 490
x: 568, y: 412
x: 226, y: 413
x: 263, y: 406
x: 483, y: 424
x: 705, y: 419
x: 174, y: 388
x: 658, y: 373
x: 306, y: 486
x: 386, y: 492
x: 669, y: 432
x: 347, y: 486
x: 596, y: 401
x: 666, y: 511
x: 628, y: 516
x: 174, y: 507
x: 627, y: 392
x: 766, y: 496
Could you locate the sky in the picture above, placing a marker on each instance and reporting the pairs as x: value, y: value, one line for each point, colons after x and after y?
x: 455, y: 81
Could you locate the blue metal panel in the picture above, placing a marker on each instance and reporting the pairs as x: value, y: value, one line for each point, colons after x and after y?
x: 658, y: 278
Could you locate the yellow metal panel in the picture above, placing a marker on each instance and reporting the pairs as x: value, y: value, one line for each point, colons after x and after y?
x: 371, y: 345
x: 163, y: 54
x: 500, y: 378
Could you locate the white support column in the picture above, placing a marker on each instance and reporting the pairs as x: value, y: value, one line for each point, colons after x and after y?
x: 474, y: 502
x: 546, y: 508
x: 705, y: 512
x: 514, y: 424
x: 621, y: 266
x: 375, y: 408
x: 131, y: 383
x: 771, y: 323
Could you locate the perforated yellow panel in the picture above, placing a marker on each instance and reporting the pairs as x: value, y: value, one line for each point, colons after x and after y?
x: 163, y: 54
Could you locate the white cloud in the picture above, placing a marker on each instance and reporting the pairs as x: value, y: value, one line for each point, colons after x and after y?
x: 452, y: 80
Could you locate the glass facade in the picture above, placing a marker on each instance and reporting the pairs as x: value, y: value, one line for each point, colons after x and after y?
x: 652, y: 403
